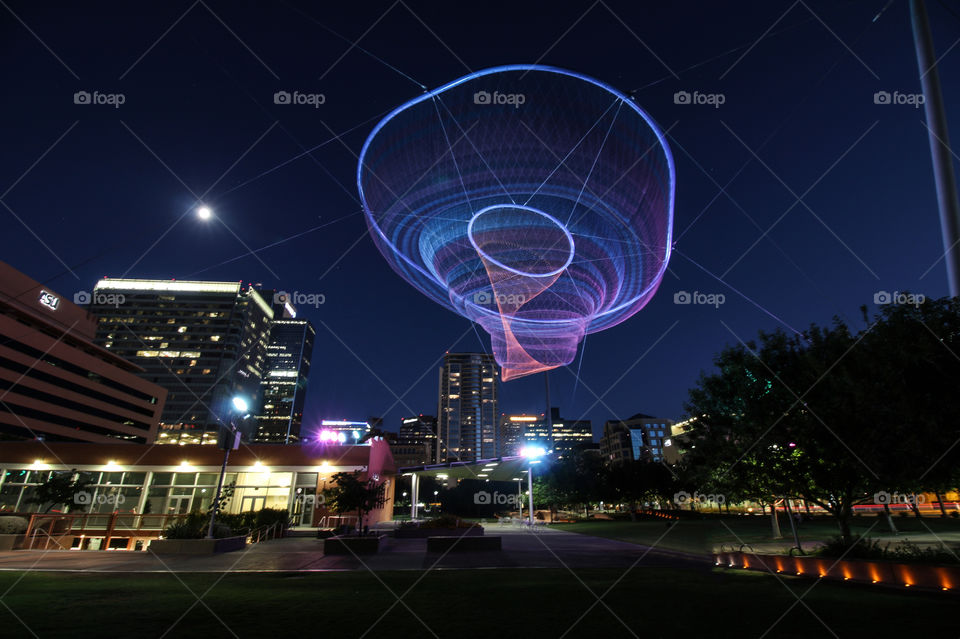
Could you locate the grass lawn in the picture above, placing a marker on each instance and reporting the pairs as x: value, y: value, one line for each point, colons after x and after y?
x: 703, y: 535
x: 652, y: 602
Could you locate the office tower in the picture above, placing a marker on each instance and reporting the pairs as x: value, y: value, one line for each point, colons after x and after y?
x: 639, y: 438
x: 467, y: 411
x: 284, y: 387
x: 56, y: 384
x: 415, y: 434
x: 570, y: 435
x: 517, y: 431
x: 205, y: 342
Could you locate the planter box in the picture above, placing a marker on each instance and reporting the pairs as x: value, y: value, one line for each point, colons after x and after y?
x: 466, y: 543
x: 9, y: 542
x: 197, y: 546
x: 889, y: 573
x: 423, y: 533
x: 351, y: 545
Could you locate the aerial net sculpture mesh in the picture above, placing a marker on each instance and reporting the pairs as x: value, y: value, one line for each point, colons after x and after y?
x: 534, y: 201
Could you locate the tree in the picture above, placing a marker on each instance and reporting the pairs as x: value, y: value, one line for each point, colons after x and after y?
x: 835, y: 416
x: 63, y: 487
x: 350, y: 493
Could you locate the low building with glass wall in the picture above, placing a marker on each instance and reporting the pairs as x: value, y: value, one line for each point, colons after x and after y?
x: 135, y: 491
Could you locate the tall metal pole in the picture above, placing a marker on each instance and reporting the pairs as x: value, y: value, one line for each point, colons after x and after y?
x: 546, y: 380
x: 216, y: 499
x: 530, y: 489
x: 944, y: 176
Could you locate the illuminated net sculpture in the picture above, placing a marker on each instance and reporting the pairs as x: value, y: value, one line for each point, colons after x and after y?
x: 534, y: 201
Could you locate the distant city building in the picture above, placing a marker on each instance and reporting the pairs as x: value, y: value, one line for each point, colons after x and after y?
x: 339, y: 431
x: 284, y: 387
x: 511, y: 436
x: 467, y: 412
x: 204, y: 342
x: 641, y: 437
x: 570, y: 435
x: 417, y: 432
x: 675, y: 446
x: 56, y: 384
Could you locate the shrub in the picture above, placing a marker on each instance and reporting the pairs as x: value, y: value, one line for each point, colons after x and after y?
x: 11, y: 525
x: 905, y: 551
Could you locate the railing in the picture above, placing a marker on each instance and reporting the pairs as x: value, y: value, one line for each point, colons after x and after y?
x: 46, y: 528
x: 334, y: 521
x: 266, y: 533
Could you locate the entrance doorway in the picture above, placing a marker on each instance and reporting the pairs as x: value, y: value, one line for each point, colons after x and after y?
x: 253, y: 503
x: 179, y: 505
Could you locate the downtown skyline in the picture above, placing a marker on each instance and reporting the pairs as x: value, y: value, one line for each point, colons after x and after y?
x: 800, y: 196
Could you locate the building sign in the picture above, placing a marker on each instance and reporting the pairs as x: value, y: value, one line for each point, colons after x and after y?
x: 49, y: 300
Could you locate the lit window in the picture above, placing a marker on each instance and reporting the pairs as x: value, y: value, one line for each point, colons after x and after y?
x: 182, y: 329
x: 214, y: 338
x: 169, y: 353
x: 147, y: 353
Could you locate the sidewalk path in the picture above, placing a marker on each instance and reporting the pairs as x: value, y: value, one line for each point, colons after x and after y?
x: 540, y: 548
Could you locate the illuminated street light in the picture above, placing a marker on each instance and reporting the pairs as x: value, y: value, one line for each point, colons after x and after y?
x: 240, y: 407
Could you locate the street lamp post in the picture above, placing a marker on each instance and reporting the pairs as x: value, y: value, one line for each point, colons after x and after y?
x: 531, y: 453
x: 240, y: 407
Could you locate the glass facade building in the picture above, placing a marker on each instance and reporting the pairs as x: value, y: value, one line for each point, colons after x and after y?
x: 204, y: 342
x: 467, y: 413
x: 284, y: 387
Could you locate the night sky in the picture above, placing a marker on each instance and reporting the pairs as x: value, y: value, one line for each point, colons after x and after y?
x: 104, y: 191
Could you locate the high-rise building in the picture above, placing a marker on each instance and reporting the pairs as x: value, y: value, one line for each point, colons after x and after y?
x: 467, y: 412
x: 56, y: 384
x: 641, y: 437
x: 510, y: 438
x: 569, y: 435
x: 416, y: 432
x: 284, y: 387
x: 205, y: 342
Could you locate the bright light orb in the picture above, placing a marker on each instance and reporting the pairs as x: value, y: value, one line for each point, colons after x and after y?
x: 534, y: 201
x: 204, y: 213
x: 240, y: 404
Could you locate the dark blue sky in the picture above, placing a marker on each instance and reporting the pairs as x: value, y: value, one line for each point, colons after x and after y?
x: 198, y: 85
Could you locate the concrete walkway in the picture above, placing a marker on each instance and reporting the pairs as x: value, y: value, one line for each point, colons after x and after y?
x: 539, y: 548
